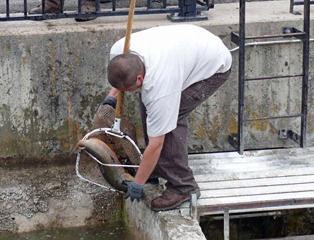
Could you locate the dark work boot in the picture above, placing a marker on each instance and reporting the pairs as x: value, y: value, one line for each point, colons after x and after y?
x: 170, y: 200
x: 51, y: 6
x: 88, y: 6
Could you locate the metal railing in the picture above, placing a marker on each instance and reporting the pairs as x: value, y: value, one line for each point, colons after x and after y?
x: 185, y: 10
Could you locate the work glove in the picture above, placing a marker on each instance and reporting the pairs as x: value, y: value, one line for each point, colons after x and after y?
x: 109, y: 101
x: 134, y: 191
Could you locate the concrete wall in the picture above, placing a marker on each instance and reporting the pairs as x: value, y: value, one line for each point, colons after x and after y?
x: 167, y: 225
x: 52, y: 79
x: 53, y: 74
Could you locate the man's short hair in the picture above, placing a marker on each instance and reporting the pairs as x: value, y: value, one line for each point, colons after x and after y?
x: 123, y: 70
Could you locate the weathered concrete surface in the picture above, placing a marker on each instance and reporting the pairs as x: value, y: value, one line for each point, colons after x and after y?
x: 52, y: 196
x: 51, y: 82
x: 53, y: 74
x: 168, y: 225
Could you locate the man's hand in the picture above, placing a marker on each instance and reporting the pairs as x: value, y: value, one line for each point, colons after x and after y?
x: 135, y: 191
x: 109, y: 101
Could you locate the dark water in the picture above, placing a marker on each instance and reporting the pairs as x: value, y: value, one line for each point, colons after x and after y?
x: 114, y: 231
x: 288, y: 224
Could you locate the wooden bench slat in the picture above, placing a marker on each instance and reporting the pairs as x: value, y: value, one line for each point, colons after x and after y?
x: 258, y: 190
x: 242, y: 159
x: 270, y: 181
x: 257, y: 198
x: 253, y: 174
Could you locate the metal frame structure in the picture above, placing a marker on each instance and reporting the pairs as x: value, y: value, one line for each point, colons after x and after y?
x: 187, y: 10
x: 237, y: 140
x: 296, y: 3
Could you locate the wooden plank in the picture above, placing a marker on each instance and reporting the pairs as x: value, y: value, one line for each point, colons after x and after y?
x: 255, y: 198
x: 246, y: 192
x: 249, y: 167
x: 250, y: 164
x: 255, y: 168
x: 209, y: 210
x: 277, y: 160
x: 239, y: 159
x: 204, y: 211
x: 214, y: 155
x: 256, y: 206
x: 253, y: 175
x: 270, y: 181
x: 251, y: 154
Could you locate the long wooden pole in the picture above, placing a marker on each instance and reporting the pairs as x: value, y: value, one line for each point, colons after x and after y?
x: 118, y: 113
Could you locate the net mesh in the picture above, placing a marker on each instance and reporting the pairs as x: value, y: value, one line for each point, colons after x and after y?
x: 123, y: 148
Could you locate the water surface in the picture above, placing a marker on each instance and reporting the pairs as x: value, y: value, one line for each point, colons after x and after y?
x: 113, y: 231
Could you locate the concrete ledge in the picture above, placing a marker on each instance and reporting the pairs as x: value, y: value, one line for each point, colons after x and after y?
x: 149, y: 225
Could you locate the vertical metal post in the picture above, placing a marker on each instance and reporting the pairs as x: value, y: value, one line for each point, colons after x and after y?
x: 241, y: 77
x: 79, y: 6
x: 291, y: 6
x: 226, y: 224
x: 43, y: 6
x: 25, y: 7
x: 114, y: 5
x: 7, y: 5
x: 190, y: 8
x: 181, y: 6
x: 97, y: 5
x: 193, y: 206
x: 62, y: 6
x: 305, y: 78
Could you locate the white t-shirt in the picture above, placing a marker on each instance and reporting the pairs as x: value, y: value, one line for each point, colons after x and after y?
x: 175, y: 57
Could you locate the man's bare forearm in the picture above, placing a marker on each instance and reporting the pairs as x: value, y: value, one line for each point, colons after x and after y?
x: 150, y: 158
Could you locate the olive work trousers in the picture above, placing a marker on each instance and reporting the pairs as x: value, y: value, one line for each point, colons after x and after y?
x: 173, y: 162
